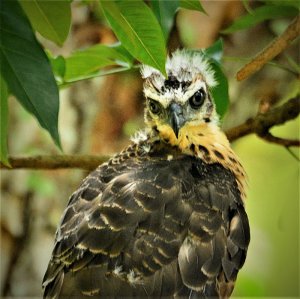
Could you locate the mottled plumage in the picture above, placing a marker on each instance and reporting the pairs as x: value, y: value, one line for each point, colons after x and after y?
x: 165, y: 217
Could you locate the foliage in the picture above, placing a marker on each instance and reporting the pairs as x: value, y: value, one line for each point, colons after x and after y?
x: 138, y: 30
x: 26, y: 69
x: 262, y: 13
x: 51, y: 21
x: 219, y: 92
x: 33, y: 75
x: 90, y: 62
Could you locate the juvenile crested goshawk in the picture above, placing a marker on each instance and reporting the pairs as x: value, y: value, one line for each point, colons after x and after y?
x: 165, y: 217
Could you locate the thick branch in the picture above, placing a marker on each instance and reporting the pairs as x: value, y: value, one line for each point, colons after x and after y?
x: 277, y: 46
x: 260, y: 125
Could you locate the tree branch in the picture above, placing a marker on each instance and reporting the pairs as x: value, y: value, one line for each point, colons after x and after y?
x: 263, y: 122
x: 56, y: 162
x: 259, y: 125
x: 273, y: 49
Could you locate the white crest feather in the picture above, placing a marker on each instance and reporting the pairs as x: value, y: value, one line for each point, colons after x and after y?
x: 184, y: 65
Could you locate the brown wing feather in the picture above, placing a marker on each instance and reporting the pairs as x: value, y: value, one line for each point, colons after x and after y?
x: 150, y: 227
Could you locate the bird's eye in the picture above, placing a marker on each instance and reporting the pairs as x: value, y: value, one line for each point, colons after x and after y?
x: 154, y: 107
x: 197, y: 99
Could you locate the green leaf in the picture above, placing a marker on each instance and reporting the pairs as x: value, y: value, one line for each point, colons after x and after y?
x: 215, y: 51
x: 124, y: 55
x: 165, y: 12
x: 192, y: 5
x: 292, y: 3
x: 58, y: 66
x: 220, y: 93
x: 52, y: 19
x: 138, y: 30
x: 82, y: 64
x: 26, y: 69
x: 4, y: 122
x: 259, y: 15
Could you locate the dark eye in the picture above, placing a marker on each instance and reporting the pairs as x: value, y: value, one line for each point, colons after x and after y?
x: 197, y: 99
x: 154, y: 107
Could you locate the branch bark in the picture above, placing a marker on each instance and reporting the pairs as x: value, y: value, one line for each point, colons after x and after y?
x: 277, y: 46
x: 263, y: 122
x: 260, y: 125
x: 56, y: 162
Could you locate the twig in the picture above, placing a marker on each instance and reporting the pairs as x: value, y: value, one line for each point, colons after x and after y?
x: 285, y: 142
x: 260, y: 125
x: 292, y: 154
x: 273, y: 49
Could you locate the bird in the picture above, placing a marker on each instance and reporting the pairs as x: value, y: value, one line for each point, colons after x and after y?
x: 165, y: 217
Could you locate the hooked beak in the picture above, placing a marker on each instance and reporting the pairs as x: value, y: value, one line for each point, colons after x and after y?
x: 176, y: 118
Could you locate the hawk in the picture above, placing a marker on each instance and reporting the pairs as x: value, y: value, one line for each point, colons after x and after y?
x: 165, y: 217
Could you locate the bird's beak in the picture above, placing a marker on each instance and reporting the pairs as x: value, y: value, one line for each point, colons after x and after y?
x: 176, y: 118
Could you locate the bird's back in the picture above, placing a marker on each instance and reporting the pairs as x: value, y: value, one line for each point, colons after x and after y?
x: 151, y: 222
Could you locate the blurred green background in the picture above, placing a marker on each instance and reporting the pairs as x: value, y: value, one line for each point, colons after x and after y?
x: 272, y: 266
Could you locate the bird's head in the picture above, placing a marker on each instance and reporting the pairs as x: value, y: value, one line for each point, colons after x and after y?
x: 182, y: 100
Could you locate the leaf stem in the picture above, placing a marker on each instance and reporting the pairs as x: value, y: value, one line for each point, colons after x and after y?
x: 101, y: 73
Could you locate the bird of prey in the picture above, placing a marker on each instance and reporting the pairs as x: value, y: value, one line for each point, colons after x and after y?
x: 165, y: 217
